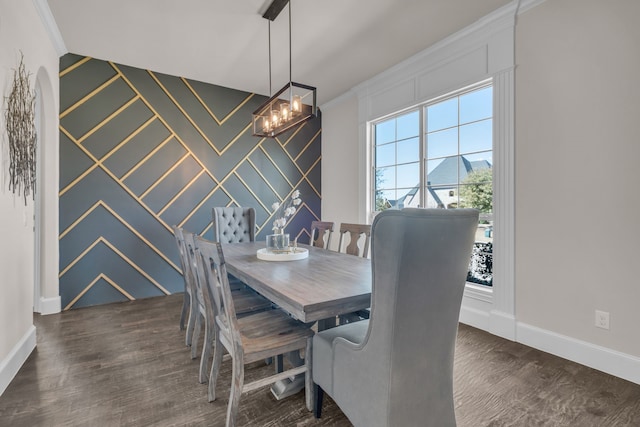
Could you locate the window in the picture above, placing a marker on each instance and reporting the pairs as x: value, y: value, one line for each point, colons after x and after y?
x: 440, y: 155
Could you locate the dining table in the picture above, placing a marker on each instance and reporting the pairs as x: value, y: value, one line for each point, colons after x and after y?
x: 318, y: 288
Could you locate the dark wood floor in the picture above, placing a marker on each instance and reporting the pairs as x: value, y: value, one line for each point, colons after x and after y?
x: 127, y: 365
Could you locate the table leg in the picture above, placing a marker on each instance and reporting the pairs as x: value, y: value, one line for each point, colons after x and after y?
x: 291, y: 386
x: 288, y: 387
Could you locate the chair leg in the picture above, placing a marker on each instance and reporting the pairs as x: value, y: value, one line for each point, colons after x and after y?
x: 317, y: 405
x: 186, y: 300
x: 279, y: 363
x: 207, y: 345
x: 308, y: 378
x: 236, y: 388
x: 191, y: 323
x: 196, y: 336
x: 218, y: 352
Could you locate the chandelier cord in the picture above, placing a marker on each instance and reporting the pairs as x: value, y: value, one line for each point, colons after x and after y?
x: 269, y: 21
x: 290, y: 43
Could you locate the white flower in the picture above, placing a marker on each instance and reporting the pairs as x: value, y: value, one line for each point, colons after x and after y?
x: 284, y: 210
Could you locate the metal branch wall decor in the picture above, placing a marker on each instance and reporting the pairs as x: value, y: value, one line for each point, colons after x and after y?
x: 21, y: 131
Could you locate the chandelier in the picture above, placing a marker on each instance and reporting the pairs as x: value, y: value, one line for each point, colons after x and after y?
x: 292, y: 105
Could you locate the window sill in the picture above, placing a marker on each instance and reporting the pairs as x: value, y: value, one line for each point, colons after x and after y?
x: 479, y: 292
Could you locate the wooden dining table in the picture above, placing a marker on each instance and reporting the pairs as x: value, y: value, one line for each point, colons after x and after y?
x: 317, y: 288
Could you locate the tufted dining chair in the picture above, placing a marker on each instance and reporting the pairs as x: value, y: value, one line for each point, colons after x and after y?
x: 234, y: 224
x: 320, y: 229
x: 396, y: 368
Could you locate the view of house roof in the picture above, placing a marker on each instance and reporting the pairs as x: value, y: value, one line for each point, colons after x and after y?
x: 446, y: 173
x: 443, y: 176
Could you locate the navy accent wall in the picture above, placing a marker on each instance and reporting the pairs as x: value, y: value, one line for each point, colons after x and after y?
x: 141, y: 151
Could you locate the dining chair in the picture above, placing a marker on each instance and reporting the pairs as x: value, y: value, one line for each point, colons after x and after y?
x: 250, y: 338
x: 246, y: 300
x: 234, y: 224
x: 401, y: 358
x: 189, y: 299
x: 320, y: 229
x: 355, y: 233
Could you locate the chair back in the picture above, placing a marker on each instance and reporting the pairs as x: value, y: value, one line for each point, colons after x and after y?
x: 234, y: 224
x: 318, y: 231
x: 213, y: 273
x: 355, y: 232
x: 192, y: 265
x: 419, y: 260
x: 186, y: 272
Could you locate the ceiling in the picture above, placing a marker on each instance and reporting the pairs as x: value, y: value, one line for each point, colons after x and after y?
x: 337, y: 44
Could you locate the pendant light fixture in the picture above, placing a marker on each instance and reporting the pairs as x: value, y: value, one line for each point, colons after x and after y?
x: 292, y: 105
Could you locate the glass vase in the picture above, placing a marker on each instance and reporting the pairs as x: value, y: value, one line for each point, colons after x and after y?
x: 278, y: 242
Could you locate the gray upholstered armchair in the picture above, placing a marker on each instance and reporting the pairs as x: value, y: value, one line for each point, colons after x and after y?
x: 396, y: 369
x: 234, y: 224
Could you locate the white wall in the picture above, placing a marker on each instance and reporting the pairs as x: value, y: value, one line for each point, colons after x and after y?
x: 340, y: 160
x: 576, y: 156
x: 21, y: 30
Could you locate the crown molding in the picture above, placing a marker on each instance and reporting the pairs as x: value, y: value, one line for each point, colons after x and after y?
x: 526, y: 5
x: 50, y: 26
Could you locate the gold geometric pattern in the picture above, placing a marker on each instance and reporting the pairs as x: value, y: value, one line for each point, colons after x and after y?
x: 141, y: 151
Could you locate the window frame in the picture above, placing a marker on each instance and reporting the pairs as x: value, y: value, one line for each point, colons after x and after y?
x: 480, y: 291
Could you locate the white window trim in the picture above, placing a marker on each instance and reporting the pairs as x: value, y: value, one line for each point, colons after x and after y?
x: 484, y: 50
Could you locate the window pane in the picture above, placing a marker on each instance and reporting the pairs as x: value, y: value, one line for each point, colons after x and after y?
x: 385, y: 199
x: 442, y: 115
x: 442, y: 143
x: 385, y: 155
x: 432, y: 203
x: 409, y: 150
x: 442, y: 197
x: 477, y: 196
x: 411, y: 198
x: 476, y: 105
x: 408, y: 125
x: 409, y: 175
x: 443, y: 171
x: 386, y: 131
x: 476, y: 136
x: 475, y: 162
x: 408, y: 198
x: 386, y: 177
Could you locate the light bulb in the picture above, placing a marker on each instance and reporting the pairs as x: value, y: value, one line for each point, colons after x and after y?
x: 297, y: 104
x: 275, y: 118
x: 284, y: 112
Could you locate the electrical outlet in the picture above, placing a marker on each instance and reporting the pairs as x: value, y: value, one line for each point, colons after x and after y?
x: 602, y: 319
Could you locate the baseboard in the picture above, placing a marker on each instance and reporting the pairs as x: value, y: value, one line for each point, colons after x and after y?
x: 50, y: 305
x: 10, y: 366
x: 474, y: 317
x: 603, y: 359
